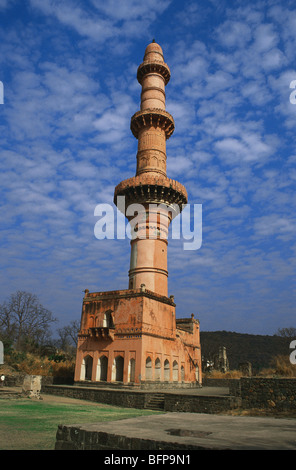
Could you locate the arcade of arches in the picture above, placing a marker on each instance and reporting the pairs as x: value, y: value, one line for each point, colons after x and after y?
x: 154, y: 370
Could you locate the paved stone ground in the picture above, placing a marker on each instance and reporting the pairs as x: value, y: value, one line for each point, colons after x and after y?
x: 198, y: 431
x: 195, y: 430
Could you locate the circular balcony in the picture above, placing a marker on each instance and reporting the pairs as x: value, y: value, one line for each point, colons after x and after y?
x: 157, y: 118
x: 148, y: 188
x: 148, y: 67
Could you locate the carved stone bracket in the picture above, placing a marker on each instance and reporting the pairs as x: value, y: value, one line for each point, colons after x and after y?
x: 102, y: 333
x: 153, y: 117
x: 148, y: 67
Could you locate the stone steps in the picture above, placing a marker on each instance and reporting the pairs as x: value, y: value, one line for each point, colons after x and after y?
x: 155, y: 402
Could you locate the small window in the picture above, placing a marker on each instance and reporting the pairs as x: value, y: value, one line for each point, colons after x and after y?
x: 108, y: 320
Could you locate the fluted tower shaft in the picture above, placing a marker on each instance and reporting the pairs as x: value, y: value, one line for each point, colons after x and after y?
x: 152, y: 126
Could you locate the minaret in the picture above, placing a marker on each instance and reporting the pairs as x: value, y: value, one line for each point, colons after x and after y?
x: 151, y: 187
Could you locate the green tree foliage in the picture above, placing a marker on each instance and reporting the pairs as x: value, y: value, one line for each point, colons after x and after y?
x: 241, y: 347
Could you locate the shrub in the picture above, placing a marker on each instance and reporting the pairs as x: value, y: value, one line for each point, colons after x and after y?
x: 32, y: 364
x: 280, y: 366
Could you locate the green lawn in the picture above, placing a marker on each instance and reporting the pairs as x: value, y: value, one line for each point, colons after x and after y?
x: 27, y: 424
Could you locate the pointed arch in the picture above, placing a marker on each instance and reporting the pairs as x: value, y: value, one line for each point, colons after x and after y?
x: 166, y: 370
x: 86, y: 368
x: 175, y: 371
x: 102, y: 368
x: 131, y: 370
x: 157, y: 370
x: 108, y: 320
x: 117, y: 369
x: 148, y: 369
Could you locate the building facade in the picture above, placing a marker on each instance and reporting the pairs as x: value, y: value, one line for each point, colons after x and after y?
x: 132, y: 336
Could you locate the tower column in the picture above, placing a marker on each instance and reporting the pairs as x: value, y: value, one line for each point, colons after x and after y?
x: 148, y: 262
x: 158, y: 195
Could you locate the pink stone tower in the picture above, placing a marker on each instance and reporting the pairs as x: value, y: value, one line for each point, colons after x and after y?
x: 152, y: 126
x: 132, y: 336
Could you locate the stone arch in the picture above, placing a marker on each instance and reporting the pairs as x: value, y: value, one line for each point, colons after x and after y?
x: 108, y: 319
x: 86, y: 368
x: 157, y: 370
x: 166, y: 370
x: 102, y: 370
x: 117, y: 369
x: 143, y: 162
x: 175, y: 371
x: 131, y: 370
x: 154, y: 161
x: 182, y: 373
x: 148, y: 369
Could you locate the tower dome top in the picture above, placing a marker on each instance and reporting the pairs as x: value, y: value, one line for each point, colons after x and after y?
x: 153, y: 52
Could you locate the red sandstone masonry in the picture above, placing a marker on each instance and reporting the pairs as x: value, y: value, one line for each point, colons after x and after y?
x: 131, y: 336
x: 150, y: 179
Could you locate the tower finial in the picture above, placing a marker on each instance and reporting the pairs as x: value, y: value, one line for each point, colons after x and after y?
x: 153, y: 40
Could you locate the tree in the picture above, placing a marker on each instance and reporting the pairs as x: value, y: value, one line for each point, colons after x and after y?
x: 68, y: 335
x: 24, y: 321
x: 287, y: 332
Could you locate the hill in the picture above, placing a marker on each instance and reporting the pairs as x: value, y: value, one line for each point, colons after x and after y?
x: 241, y: 347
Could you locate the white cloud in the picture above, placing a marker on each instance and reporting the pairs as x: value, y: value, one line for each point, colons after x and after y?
x: 275, y: 224
x: 86, y: 25
x: 234, y: 33
x: 132, y: 9
x: 66, y: 142
x: 265, y: 38
x: 120, y: 19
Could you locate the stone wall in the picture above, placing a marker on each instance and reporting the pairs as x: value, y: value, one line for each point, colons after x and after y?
x: 276, y: 393
x: 159, y: 385
x: 127, y: 399
x: 14, y: 380
x: 199, y: 403
x: 272, y: 393
x: 212, y: 382
x: 142, y: 399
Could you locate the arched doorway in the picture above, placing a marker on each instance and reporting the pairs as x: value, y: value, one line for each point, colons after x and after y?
x: 131, y: 370
x: 166, y: 370
x: 117, y: 369
x: 157, y: 372
x: 86, y: 368
x: 175, y: 371
x: 148, y: 370
x: 108, y: 319
x: 102, y: 369
x: 182, y: 373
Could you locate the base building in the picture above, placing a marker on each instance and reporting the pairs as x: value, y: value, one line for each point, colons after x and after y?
x: 132, y: 336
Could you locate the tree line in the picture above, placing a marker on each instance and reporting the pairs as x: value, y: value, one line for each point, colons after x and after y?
x: 25, y: 325
x: 259, y: 350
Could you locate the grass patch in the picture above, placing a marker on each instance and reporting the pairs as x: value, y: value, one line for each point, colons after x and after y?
x: 27, y: 424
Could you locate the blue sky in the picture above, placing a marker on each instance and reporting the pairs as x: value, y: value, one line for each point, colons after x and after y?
x: 69, y: 75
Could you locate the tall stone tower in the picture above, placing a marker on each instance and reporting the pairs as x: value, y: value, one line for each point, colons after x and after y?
x: 132, y: 336
x: 151, y: 187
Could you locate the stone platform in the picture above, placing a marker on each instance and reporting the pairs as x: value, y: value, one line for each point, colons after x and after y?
x: 191, y: 400
x: 181, y: 432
